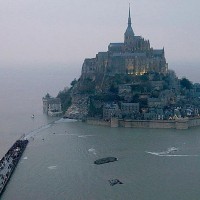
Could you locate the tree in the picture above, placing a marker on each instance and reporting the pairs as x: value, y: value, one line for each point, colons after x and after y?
x: 65, y: 97
x: 155, y: 93
x: 87, y: 86
x: 185, y: 83
x: 113, y: 89
x: 135, y: 98
x: 93, y: 110
x: 144, y: 77
x: 73, y: 82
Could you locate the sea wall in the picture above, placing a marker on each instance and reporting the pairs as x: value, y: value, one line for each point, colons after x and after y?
x: 93, y: 121
x: 194, y: 122
x: 147, y: 123
x: 180, y: 124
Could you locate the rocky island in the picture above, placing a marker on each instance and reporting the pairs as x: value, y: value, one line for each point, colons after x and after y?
x: 130, y: 85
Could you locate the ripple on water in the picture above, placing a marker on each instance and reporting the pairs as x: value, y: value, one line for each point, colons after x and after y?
x: 52, y: 167
x: 92, y: 150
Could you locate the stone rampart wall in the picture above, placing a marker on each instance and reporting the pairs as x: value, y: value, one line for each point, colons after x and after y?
x: 147, y: 123
x: 98, y: 122
x: 183, y: 123
x: 194, y: 122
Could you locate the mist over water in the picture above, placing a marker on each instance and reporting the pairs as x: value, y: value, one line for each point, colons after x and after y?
x: 21, y: 92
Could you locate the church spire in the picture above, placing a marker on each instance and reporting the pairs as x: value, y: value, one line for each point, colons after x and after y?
x: 129, y: 17
x: 129, y: 34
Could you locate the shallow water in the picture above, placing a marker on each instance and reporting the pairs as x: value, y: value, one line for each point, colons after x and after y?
x: 60, y: 165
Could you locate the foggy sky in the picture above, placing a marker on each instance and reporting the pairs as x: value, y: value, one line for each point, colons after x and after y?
x: 64, y: 32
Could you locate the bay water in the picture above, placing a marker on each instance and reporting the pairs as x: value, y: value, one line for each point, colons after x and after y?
x: 153, y: 164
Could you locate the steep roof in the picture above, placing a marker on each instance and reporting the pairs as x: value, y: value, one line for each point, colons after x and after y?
x: 158, y: 51
x: 129, y: 54
x: 116, y: 44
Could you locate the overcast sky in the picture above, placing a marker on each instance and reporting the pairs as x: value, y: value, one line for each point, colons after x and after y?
x: 64, y: 32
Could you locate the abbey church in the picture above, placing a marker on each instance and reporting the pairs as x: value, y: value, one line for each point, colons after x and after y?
x: 134, y: 56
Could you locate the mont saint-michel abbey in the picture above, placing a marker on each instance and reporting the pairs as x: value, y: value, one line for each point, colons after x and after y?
x: 134, y: 56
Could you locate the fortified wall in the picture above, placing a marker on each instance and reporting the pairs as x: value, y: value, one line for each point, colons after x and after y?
x: 179, y: 124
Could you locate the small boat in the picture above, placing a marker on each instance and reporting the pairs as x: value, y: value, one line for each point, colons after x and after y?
x: 172, y: 149
x: 114, y: 182
x: 33, y: 116
x: 105, y: 160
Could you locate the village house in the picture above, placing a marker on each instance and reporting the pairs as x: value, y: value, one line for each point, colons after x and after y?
x: 129, y: 108
x: 110, y: 110
x: 124, y: 89
x: 154, y: 102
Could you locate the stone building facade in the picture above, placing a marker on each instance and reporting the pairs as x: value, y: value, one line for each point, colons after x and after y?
x: 110, y: 110
x: 130, y: 108
x: 52, y: 106
x: 134, y: 56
